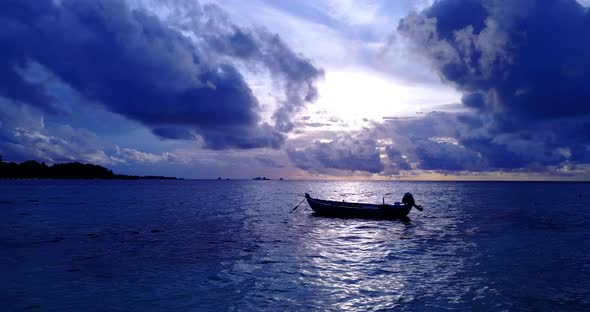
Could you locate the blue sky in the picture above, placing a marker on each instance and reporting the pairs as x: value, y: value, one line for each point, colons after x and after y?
x: 452, y: 89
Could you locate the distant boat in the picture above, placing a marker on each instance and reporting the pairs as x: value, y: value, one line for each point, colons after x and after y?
x: 361, y: 210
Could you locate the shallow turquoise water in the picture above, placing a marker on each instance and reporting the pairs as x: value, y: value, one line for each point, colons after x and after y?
x: 233, y: 245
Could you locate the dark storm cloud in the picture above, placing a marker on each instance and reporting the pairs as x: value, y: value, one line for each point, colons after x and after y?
x: 174, y: 133
x: 396, y: 161
x: 429, y: 143
x: 348, y: 154
x: 268, y: 162
x: 137, y: 66
x: 523, y: 68
x: 450, y: 142
x: 297, y: 74
x: 242, y: 137
x: 223, y: 138
x: 446, y: 156
x: 521, y: 60
x: 294, y: 73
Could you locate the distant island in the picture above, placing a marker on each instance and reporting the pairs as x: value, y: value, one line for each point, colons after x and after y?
x: 259, y: 178
x: 35, y: 170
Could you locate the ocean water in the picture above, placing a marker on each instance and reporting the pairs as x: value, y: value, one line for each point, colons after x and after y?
x: 234, y: 246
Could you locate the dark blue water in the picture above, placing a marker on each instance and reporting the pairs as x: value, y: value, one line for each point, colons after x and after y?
x: 233, y: 245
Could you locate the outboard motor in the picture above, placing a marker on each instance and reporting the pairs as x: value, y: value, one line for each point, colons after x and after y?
x: 408, y: 200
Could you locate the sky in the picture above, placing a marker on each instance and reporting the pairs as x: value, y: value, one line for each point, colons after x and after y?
x: 335, y: 89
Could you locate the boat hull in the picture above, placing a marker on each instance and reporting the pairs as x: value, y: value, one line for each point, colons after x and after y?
x: 357, y: 210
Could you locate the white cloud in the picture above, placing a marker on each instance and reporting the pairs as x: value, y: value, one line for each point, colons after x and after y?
x: 49, y: 148
x: 133, y: 155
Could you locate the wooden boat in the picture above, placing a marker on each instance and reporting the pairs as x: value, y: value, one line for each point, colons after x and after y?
x: 359, y: 210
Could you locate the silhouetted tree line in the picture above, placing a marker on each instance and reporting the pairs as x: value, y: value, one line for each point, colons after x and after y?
x: 74, y: 170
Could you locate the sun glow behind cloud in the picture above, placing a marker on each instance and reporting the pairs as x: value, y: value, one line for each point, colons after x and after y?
x: 356, y: 88
x: 357, y: 95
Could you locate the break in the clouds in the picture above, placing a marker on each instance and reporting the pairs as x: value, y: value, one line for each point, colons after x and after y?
x: 180, y: 80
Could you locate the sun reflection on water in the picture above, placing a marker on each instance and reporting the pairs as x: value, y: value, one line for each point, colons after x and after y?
x: 353, y: 265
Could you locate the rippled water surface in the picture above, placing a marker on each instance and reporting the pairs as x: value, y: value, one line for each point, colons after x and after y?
x: 233, y: 245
